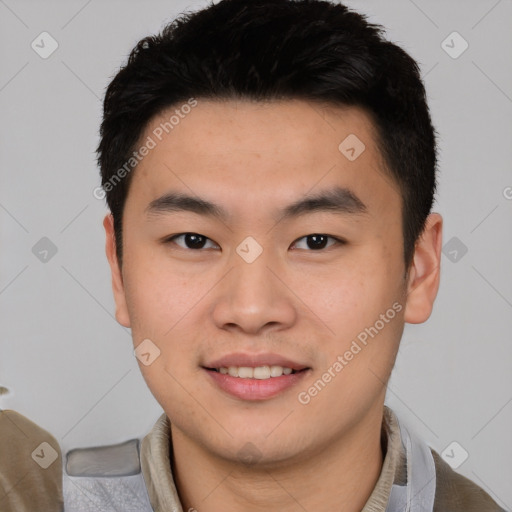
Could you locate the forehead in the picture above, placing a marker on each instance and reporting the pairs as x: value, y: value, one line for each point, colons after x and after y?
x: 242, y: 151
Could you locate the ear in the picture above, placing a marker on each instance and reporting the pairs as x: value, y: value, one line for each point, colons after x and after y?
x: 424, y: 273
x: 117, y: 278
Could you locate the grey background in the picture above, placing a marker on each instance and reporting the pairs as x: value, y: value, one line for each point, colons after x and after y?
x: 67, y: 363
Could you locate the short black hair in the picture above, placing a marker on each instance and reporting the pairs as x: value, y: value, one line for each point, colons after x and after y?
x: 264, y: 50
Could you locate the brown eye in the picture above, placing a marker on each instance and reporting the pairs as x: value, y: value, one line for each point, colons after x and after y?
x: 318, y: 241
x: 193, y: 241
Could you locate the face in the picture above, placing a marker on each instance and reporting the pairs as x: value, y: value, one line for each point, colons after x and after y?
x: 287, y: 253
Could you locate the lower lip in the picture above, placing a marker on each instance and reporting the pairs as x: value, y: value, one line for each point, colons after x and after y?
x: 255, y: 389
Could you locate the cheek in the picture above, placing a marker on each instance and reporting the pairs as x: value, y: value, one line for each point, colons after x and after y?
x: 362, y: 303
x: 354, y: 296
x: 158, y: 296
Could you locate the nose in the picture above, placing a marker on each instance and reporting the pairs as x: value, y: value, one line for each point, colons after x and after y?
x: 253, y: 297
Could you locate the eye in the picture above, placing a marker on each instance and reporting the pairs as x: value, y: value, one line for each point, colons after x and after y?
x: 191, y: 241
x: 196, y: 241
x: 318, y: 241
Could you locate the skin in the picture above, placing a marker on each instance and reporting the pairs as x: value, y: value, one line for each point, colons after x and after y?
x: 304, y: 303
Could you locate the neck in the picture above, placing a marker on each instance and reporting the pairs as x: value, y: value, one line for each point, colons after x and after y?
x: 346, y: 471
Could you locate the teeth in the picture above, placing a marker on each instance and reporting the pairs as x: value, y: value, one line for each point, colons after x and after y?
x: 260, y: 372
x: 244, y: 372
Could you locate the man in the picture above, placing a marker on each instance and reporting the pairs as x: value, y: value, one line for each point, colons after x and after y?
x: 270, y: 169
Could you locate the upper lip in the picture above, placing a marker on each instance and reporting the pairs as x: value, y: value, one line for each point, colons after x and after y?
x: 254, y: 360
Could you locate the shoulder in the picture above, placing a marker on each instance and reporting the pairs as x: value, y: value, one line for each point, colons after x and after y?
x: 105, y: 477
x: 30, y: 466
x: 456, y: 493
x: 120, y: 459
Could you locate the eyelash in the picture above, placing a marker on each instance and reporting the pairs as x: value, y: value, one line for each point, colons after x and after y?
x: 337, y: 240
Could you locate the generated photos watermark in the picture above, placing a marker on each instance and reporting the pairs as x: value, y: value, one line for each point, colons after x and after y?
x: 361, y: 341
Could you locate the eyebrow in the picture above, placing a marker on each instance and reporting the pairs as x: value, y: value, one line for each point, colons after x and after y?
x: 338, y: 200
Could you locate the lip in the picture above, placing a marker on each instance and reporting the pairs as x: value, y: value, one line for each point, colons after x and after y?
x: 254, y: 360
x: 255, y: 389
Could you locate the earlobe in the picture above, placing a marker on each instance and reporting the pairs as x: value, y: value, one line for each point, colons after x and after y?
x: 117, y: 278
x: 424, y: 274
